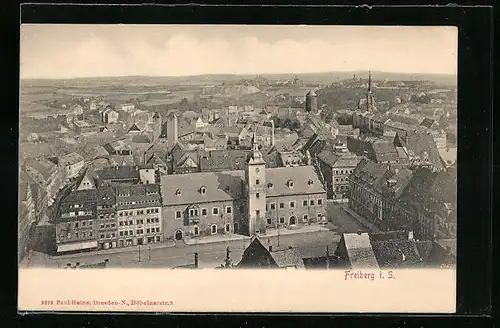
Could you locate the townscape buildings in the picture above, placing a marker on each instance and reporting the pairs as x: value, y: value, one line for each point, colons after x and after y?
x: 249, y: 170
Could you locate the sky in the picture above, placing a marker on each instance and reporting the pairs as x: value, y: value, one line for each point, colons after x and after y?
x: 71, y: 51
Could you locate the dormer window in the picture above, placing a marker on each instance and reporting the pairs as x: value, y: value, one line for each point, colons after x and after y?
x: 310, y: 182
x: 203, y: 190
x: 290, y: 184
x: 227, y: 188
x: 270, y: 185
x: 178, y: 192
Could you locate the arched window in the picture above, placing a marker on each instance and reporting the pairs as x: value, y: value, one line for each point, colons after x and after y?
x: 270, y: 185
x: 178, y: 192
x: 213, y: 229
x: 203, y: 190
x: 290, y: 184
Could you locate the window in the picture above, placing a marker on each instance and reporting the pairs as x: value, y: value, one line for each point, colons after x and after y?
x: 257, y: 213
x: 121, y: 214
x: 269, y: 221
x: 305, y: 218
x: 196, y: 231
x: 312, y: 202
x: 282, y: 205
x: 76, y: 224
x: 320, y: 202
x: 178, y: 214
x: 203, y: 211
x: 90, y: 234
x: 215, y: 211
x: 257, y: 195
x: 113, y: 235
x: 126, y: 233
x: 131, y: 222
x: 273, y: 206
x: 290, y: 184
x: 158, y: 238
x: 214, y: 229
x: 228, y: 227
x: 282, y: 220
x: 229, y: 210
x: 121, y: 233
x: 178, y: 192
x: 148, y: 230
x: 108, y: 235
x: 310, y: 182
x: 84, y: 223
x: 76, y: 235
x: 270, y: 185
x: 257, y: 181
x: 102, y: 235
x: 203, y: 190
x: 157, y: 220
x: 102, y: 225
x: 90, y: 222
x: 292, y: 204
x: 304, y: 203
x: 112, y: 225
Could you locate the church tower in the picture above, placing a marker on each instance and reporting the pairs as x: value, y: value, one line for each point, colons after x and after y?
x: 255, y: 180
x: 370, y: 97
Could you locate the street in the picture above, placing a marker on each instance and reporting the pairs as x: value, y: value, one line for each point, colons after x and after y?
x: 343, y: 221
x: 210, y: 255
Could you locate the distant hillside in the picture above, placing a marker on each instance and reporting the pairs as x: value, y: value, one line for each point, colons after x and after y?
x: 208, y: 79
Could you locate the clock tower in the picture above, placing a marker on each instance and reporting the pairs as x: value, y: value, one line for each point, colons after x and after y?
x: 255, y: 180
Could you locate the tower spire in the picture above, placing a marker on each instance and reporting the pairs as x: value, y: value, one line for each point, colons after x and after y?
x: 369, y: 81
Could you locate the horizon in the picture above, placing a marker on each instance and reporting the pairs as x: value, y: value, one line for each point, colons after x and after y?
x: 237, y: 75
x: 67, y: 51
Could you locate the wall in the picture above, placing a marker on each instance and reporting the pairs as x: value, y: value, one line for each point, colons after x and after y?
x: 298, y: 211
x: 171, y: 224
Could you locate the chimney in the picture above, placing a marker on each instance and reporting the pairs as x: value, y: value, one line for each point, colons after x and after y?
x: 270, y: 248
x: 410, y: 235
x: 196, y: 260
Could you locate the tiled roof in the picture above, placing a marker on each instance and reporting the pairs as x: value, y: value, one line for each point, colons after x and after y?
x: 71, y: 158
x: 43, y: 166
x: 359, y: 250
x: 395, y: 253
x: 137, y: 196
x: 227, y: 185
x: 422, y: 144
x: 288, y: 258
x: 141, y: 138
x: 369, y: 172
x: 428, y: 122
x: 219, y: 186
x: 118, y: 173
x: 223, y: 160
x: 106, y: 196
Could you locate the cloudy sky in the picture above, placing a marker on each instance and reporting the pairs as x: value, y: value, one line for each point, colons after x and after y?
x: 68, y: 51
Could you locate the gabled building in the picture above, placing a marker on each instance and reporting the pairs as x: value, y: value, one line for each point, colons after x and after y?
x: 248, y: 201
x: 374, y: 194
x: 256, y: 255
x: 387, y: 250
x: 71, y: 164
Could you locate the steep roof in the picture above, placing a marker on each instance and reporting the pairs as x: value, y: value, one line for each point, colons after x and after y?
x: 71, y: 158
x: 223, y: 160
x: 359, y: 251
x: 422, y: 144
x: 118, y: 173
x: 288, y: 258
x: 227, y: 185
x: 43, y: 166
